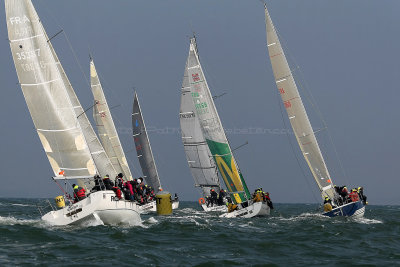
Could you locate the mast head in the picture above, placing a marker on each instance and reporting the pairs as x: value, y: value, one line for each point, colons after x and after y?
x: 193, y: 44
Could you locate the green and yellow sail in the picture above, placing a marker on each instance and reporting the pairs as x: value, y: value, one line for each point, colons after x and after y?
x: 212, y: 128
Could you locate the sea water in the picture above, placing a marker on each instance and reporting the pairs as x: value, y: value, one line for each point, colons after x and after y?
x: 294, y: 234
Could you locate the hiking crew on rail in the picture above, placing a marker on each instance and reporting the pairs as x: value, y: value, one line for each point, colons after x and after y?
x: 135, y: 190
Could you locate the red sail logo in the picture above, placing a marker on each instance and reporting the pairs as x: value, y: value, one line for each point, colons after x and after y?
x: 196, y: 77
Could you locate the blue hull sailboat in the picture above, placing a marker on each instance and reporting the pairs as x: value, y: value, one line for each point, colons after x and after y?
x: 337, y: 201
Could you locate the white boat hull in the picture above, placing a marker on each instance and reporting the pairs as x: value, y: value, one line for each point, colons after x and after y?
x: 102, y: 206
x: 175, y: 205
x: 253, y: 210
x: 152, y: 206
x: 221, y: 208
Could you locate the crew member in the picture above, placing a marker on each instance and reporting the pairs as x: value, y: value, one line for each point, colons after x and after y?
x: 213, y: 196
x: 327, y: 204
x: 268, y: 200
x: 97, y: 186
x: 327, y: 200
x: 257, y: 196
x: 362, y: 196
x: 118, y: 180
x: 108, y: 183
x: 222, y: 195
x: 79, y: 192
x: 354, y: 195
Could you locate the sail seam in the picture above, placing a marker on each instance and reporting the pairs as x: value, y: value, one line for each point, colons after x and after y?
x: 27, y: 38
x: 189, y: 68
x: 61, y: 130
x: 33, y: 84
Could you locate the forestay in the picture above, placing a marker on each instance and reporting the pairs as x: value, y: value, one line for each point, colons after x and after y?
x: 48, y: 94
x: 198, y: 155
x: 212, y: 128
x: 143, y: 148
x: 295, y: 109
x: 108, y: 123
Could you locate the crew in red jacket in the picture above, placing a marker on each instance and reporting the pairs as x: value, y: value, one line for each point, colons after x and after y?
x: 79, y: 192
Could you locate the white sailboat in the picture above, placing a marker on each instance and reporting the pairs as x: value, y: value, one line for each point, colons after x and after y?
x: 302, y: 127
x: 217, y: 141
x: 145, y: 155
x: 198, y: 155
x: 70, y: 143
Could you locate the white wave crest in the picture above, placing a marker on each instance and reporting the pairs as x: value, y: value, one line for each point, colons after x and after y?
x: 367, y: 221
x: 10, y: 220
x: 303, y: 216
x: 21, y: 205
x: 152, y: 220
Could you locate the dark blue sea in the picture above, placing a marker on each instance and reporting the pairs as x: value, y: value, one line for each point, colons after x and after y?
x: 295, y: 234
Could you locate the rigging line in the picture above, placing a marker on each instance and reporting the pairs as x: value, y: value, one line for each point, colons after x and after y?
x: 218, y: 96
x: 68, y: 41
x: 63, y: 73
x: 89, y: 108
x: 242, y: 145
x: 76, y: 59
x: 55, y: 35
x: 292, y: 146
x: 315, y: 106
x: 311, y: 100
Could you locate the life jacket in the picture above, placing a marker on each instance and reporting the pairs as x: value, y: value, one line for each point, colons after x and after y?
x: 327, y: 207
x: 232, y: 207
x: 354, y: 196
x: 129, y: 185
x: 81, y: 192
x: 257, y: 197
x: 266, y: 197
x: 117, y: 192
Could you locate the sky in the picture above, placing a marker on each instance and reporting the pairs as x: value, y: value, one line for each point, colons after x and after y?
x: 345, y: 53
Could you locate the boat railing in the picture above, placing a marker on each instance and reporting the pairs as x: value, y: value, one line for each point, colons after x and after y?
x: 44, y: 207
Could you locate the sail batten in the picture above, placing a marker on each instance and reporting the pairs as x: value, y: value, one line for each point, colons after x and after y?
x: 68, y: 139
x: 212, y: 128
x: 46, y: 93
x: 296, y: 111
x: 198, y: 155
x: 106, y: 128
x: 143, y: 147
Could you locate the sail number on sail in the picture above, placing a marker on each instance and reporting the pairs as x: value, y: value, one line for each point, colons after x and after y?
x: 200, y: 106
x: 30, y: 54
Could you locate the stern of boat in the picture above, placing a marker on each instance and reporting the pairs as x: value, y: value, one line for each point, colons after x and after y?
x: 353, y: 210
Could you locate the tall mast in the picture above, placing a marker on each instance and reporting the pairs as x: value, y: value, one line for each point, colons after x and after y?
x: 296, y: 112
x: 212, y: 128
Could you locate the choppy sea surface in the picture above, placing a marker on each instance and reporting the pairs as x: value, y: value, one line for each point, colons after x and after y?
x: 294, y: 234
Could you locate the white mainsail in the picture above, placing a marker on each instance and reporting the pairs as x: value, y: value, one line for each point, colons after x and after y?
x: 198, y: 155
x: 212, y: 129
x: 67, y: 138
x: 108, y: 123
x: 297, y: 114
x: 105, y: 141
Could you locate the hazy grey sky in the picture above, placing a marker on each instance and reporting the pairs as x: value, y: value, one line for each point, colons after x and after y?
x: 347, y: 52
